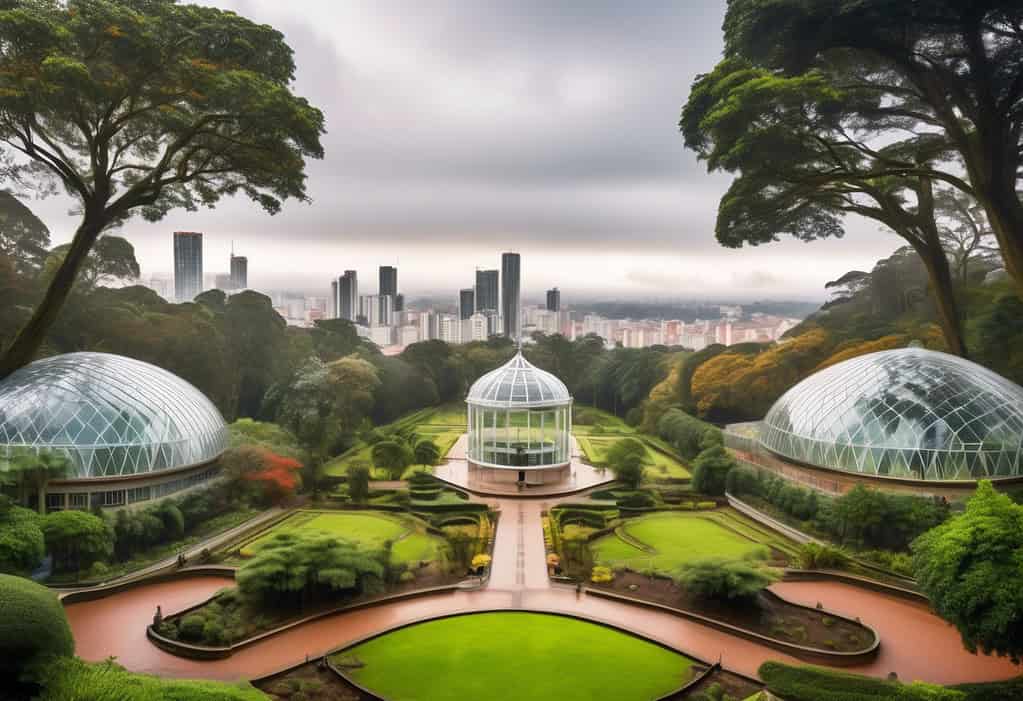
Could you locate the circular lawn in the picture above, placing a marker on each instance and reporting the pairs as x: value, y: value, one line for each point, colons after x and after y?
x: 514, y: 655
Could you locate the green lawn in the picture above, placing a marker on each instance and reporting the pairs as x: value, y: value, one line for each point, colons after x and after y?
x: 511, y: 656
x: 673, y: 538
x: 658, y: 464
x: 368, y: 528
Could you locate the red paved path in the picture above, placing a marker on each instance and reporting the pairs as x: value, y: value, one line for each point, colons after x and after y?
x: 914, y: 643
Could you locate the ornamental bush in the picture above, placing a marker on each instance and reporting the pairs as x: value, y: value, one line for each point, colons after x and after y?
x: 818, y: 684
x: 76, y: 539
x: 21, y: 539
x: 602, y: 574
x: 710, y: 470
x: 33, y: 627
x: 724, y: 580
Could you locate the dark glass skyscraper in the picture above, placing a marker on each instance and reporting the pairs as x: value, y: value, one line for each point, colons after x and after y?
x: 348, y: 296
x: 388, y: 281
x: 239, y: 272
x: 466, y: 303
x: 554, y: 300
x: 486, y: 291
x: 187, y: 265
x: 510, y: 268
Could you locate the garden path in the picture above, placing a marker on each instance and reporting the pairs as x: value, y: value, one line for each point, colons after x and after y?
x: 915, y: 643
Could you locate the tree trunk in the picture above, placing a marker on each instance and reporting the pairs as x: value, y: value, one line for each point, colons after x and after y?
x: 943, y: 290
x: 28, y: 341
x: 1005, y: 214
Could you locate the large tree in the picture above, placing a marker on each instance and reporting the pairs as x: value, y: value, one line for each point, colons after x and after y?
x: 969, y: 568
x: 141, y: 106
x: 24, y: 238
x: 947, y: 68
x: 803, y: 159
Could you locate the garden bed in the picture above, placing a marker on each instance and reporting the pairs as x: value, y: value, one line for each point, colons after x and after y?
x: 309, y: 682
x: 767, y: 615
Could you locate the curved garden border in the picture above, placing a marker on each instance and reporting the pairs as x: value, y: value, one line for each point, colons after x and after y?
x: 710, y: 667
x: 105, y: 590
x: 805, y: 652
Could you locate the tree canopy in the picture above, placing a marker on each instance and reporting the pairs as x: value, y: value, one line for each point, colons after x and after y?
x: 969, y: 568
x: 943, y: 70
x: 140, y: 107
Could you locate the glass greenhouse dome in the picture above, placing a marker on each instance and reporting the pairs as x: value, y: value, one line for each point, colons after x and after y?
x: 520, y: 417
x: 110, y: 415
x: 908, y: 413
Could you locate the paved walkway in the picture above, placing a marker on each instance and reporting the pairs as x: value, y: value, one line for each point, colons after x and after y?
x: 915, y: 643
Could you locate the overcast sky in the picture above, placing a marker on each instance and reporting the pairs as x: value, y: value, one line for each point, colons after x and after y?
x: 457, y: 130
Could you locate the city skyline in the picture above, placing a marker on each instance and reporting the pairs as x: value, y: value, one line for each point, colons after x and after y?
x: 573, y: 195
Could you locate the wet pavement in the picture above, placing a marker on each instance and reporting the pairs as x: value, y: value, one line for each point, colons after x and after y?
x: 915, y: 643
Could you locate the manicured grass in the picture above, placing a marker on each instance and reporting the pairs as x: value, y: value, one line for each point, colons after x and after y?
x: 368, y: 528
x: 658, y: 464
x: 511, y: 656
x: 674, y: 539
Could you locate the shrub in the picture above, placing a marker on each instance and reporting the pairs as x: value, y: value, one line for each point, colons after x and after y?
x: 816, y: 556
x: 722, y: 580
x: 480, y: 561
x: 819, y: 684
x: 21, y: 539
x: 639, y: 500
x: 213, y: 633
x: 426, y: 452
x: 191, y: 628
x: 741, y: 480
x: 33, y: 627
x: 602, y: 574
x: 107, y: 681
x: 392, y: 456
x: 76, y: 539
x: 706, y: 505
x: 629, y: 470
x: 710, y: 470
x: 358, y: 482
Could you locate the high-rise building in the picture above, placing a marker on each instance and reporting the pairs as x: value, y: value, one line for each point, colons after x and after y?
x: 554, y: 300
x: 378, y: 310
x: 466, y: 303
x: 239, y: 272
x: 486, y: 291
x: 429, y: 328
x: 346, y: 303
x: 399, y: 302
x: 332, y: 302
x: 187, y: 265
x: 388, y: 281
x: 510, y: 270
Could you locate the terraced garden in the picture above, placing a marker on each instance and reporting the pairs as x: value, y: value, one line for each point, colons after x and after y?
x: 443, y: 425
x: 602, y: 430
x: 661, y: 542
x: 411, y: 544
x: 514, y: 655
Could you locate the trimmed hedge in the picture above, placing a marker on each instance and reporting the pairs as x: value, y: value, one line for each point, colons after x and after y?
x: 1009, y: 690
x: 820, y: 684
x: 33, y: 626
x: 76, y: 680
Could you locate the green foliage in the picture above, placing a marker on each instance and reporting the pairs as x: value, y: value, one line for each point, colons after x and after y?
x: 24, y: 238
x: 819, y: 684
x: 969, y: 568
x: 683, y: 431
x: 191, y: 628
x: 294, y: 569
x: 77, y: 680
x: 815, y: 556
x: 711, y: 468
x: 392, y: 456
x: 76, y: 539
x: 629, y: 470
x: 33, y: 627
x: 426, y: 452
x: 358, y: 482
x: 21, y: 539
x: 723, y: 579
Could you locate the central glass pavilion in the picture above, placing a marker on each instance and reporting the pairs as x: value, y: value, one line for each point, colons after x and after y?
x: 519, y: 425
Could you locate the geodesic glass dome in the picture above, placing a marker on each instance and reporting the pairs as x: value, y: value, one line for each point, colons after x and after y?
x: 909, y: 413
x: 110, y: 415
x: 519, y: 417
